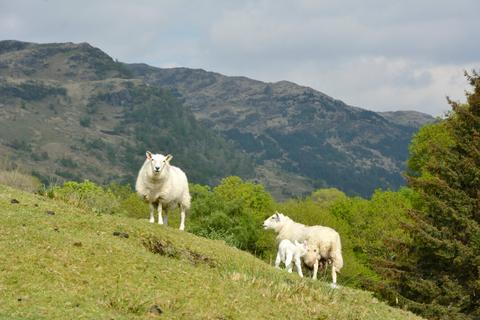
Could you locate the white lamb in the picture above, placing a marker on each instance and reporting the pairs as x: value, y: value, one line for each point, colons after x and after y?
x: 323, y: 242
x: 163, y: 186
x: 288, y: 251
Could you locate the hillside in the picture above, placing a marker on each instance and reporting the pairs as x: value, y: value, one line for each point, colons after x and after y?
x: 300, y: 138
x: 60, y: 262
x: 67, y: 109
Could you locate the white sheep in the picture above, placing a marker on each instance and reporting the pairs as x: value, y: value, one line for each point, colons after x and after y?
x: 163, y: 186
x: 288, y: 252
x: 323, y: 242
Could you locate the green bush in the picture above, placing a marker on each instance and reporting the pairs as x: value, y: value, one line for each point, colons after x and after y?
x: 113, y: 199
x: 88, y: 195
x: 233, y: 212
x: 131, y: 205
x: 85, y: 121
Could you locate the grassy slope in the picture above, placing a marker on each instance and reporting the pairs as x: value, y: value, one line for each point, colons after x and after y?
x: 69, y: 265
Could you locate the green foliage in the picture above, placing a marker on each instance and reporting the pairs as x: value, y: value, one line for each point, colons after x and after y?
x: 113, y: 199
x: 233, y: 212
x: 327, y: 195
x: 39, y: 156
x: 21, y: 145
x: 85, y: 121
x: 30, y: 90
x: 438, y: 274
x: 160, y: 123
x: 87, y: 195
x: 68, y: 163
x: 427, y: 146
x: 130, y: 204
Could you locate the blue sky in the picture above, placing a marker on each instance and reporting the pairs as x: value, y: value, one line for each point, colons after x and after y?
x: 378, y: 55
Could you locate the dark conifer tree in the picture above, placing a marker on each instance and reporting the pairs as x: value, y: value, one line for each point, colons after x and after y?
x: 440, y: 276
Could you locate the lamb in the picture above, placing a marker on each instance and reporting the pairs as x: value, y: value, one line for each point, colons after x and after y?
x: 288, y: 251
x: 163, y: 186
x: 322, y: 241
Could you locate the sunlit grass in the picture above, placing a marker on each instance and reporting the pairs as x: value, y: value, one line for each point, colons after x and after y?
x: 70, y: 265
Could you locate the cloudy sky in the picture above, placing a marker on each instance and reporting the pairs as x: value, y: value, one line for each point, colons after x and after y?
x: 376, y: 54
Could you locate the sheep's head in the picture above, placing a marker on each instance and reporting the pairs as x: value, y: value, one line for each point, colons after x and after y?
x: 274, y: 221
x: 158, y: 161
x: 312, y: 254
x: 301, y: 247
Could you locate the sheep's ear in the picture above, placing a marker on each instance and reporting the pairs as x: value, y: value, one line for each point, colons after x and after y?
x: 149, y: 155
x: 168, y: 158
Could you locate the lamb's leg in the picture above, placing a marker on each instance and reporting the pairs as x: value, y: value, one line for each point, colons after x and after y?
x: 182, y: 218
x: 288, y: 263
x: 160, y: 219
x: 278, y: 260
x: 315, y: 270
x: 298, y: 264
x: 152, y: 210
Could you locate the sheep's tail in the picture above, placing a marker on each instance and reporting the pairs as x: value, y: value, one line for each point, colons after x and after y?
x: 336, y: 254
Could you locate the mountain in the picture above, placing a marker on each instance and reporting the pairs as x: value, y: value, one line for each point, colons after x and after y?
x: 70, y: 111
x: 300, y: 138
x: 412, y: 119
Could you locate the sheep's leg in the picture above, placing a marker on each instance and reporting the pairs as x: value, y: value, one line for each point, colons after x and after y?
x: 152, y: 210
x: 182, y: 218
x: 298, y: 264
x: 288, y: 263
x: 334, y: 276
x: 278, y: 260
x: 160, y: 219
x: 315, y: 270
x: 165, y: 218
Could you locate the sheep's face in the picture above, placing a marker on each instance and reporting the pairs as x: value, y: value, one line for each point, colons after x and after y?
x: 312, y: 255
x: 158, y: 161
x: 273, y: 222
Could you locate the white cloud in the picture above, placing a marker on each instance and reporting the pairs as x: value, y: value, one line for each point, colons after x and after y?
x: 376, y: 54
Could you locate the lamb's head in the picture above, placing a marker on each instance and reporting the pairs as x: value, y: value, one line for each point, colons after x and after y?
x: 301, y: 248
x: 312, y: 254
x: 158, y: 162
x: 274, y: 222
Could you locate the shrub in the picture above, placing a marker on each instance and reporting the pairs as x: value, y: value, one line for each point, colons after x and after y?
x: 68, y: 163
x: 85, y: 121
x: 232, y: 212
x: 88, y: 195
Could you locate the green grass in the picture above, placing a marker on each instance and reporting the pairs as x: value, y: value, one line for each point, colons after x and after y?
x: 70, y: 266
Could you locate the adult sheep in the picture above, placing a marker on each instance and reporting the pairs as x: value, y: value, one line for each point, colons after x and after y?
x: 163, y: 186
x: 324, y: 239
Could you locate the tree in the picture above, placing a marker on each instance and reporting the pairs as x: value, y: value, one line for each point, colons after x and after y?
x: 439, y: 277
